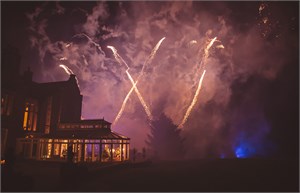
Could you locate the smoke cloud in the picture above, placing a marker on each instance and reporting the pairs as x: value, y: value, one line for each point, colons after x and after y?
x: 224, y: 122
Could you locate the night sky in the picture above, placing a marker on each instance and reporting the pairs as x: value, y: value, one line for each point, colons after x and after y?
x: 249, y: 101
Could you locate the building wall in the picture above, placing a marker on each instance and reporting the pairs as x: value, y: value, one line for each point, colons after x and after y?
x: 58, y: 101
x: 70, y: 107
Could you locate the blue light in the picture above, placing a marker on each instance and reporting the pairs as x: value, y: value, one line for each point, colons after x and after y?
x: 240, y: 153
x: 244, y: 150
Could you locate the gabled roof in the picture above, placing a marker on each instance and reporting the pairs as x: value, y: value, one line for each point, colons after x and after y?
x: 49, y: 87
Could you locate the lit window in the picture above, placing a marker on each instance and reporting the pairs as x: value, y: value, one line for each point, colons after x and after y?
x: 56, y: 149
x: 30, y: 116
x: 48, y: 115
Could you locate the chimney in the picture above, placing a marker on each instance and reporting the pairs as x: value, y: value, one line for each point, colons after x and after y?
x: 72, y: 77
x: 73, y: 81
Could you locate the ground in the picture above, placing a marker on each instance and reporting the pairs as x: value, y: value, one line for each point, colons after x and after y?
x: 240, y: 175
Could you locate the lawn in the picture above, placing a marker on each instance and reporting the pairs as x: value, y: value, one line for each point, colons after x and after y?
x: 271, y: 175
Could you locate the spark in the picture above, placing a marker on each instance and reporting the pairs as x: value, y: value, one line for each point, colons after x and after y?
x: 188, y: 112
x: 261, y: 7
x: 63, y: 59
x: 192, y: 42
x: 92, y: 41
x: 220, y: 46
x: 265, y: 20
x: 84, y: 60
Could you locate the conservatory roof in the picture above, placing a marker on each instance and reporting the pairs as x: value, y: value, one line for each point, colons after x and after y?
x: 85, y: 135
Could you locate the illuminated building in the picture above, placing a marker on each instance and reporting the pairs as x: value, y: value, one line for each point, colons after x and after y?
x: 42, y: 119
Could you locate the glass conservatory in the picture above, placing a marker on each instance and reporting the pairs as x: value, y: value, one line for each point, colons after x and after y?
x: 89, y: 144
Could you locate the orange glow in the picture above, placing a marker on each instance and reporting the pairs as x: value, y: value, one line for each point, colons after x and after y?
x: 25, y: 118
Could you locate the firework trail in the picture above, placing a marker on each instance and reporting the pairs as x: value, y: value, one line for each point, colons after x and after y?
x: 117, y: 56
x: 220, y: 46
x: 120, y: 60
x: 151, y: 56
x: 203, y: 65
x: 84, y: 60
x: 188, y: 112
x: 206, y: 52
x: 63, y: 58
x: 92, y: 41
x: 148, y: 60
x: 124, y: 104
x: 69, y: 72
x: 67, y: 69
x: 139, y: 96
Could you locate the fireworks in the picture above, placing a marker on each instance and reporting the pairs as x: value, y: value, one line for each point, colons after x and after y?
x: 117, y: 56
x: 220, y: 46
x: 124, y: 103
x: 120, y: 60
x: 206, y: 51
x: 139, y: 96
x: 63, y: 59
x: 188, y: 112
x: 134, y: 87
x: 92, y: 41
x: 67, y: 69
x: 68, y: 45
x: 151, y: 56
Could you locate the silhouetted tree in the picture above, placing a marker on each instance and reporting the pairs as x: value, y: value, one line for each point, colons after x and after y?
x: 134, y: 154
x: 144, y: 153
x: 165, y: 140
